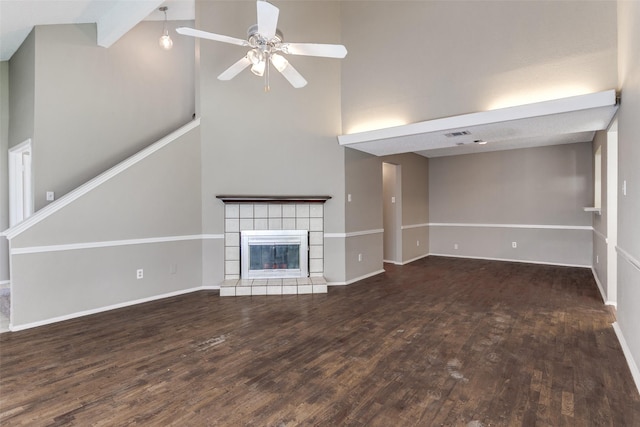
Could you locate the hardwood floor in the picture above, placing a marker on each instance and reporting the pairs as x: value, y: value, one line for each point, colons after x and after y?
x: 440, y: 341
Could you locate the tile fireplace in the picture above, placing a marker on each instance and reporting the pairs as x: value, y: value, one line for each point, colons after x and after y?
x: 274, y: 245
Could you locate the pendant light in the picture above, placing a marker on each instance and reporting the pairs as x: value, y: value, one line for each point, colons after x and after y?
x: 165, y: 41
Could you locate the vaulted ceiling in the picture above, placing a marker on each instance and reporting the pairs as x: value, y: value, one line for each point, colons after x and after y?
x: 525, y: 126
x: 112, y: 17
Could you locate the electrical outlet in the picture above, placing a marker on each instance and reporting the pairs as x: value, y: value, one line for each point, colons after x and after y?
x: 624, y: 187
x: 173, y: 268
x: 455, y: 246
x: 139, y: 273
x: 417, y: 242
x: 514, y: 244
x: 359, y: 257
x: 348, y: 197
x: 50, y: 196
x: 393, y: 199
x: 597, y: 259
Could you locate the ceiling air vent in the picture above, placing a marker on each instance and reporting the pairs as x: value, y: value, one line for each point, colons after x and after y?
x: 458, y: 133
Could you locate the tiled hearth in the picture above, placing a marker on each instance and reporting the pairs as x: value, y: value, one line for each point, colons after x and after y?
x: 273, y: 213
x: 299, y: 286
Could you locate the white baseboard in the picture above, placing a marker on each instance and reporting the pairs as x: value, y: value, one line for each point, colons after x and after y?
x: 13, y: 328
x: 210, y: 287
x: 601, y: 289
x: 635, y: 372
x: 523, y: 261
x: 414, y: 259
x: 357, y: 279
x: 5, y: 284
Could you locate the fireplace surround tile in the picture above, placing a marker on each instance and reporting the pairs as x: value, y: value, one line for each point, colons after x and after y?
x: 232, y: 239
x: 275, y: 224
x: 261, y: 224
x: 232, y: 253
x: 302, y: 223
x: 316, y: 238
x: 315, y: 224
x: 246, y: 224
x: 246, y: 211
x: 275, y: 211
x: 232, y: 210
x: 315, y: 252
x: 231, y: 225
x: 260, y: 211
x: 316, y: 211
x: 288, y: 211
x: 302, y: 211
x: 265, y: 213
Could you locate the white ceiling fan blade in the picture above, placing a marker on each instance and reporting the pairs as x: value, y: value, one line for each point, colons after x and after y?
x: 293, y: 76
x: 186, y: 31
x: 267, y: 19
x: 314, y: 49
x: 235, y: 69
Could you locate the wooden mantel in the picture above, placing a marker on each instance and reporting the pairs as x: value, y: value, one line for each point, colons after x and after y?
x: 273, y: 199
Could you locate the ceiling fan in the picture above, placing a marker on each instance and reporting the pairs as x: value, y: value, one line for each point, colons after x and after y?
x: 266, y: 48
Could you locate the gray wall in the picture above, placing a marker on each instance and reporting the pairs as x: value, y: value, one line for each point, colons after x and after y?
x: 411, y: 61
x: 415, y: 204
x: 530, y: 188
x: 277, y: 143
x: 94, y: 107
x: 22, y: 92
x: 143, y: 202
x: 628, y: 314
x: 363, y: 214
x: 4, y: 178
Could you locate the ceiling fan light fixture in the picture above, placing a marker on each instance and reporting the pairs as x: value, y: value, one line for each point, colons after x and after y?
x: 258, y: 69
x: 266, y: 46
x: 279, y: 62
x: 165, y: 41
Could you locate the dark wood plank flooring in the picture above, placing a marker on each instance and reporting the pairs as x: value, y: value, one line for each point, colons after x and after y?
x: 437, y: 342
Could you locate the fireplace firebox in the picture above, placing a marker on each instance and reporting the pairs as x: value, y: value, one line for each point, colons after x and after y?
x: 274, y: 254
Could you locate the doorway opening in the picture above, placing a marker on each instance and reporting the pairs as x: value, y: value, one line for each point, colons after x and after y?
x: 20, y: 183
x: 392, y: 213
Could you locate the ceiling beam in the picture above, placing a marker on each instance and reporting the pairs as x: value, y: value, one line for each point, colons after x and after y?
x: 124, y: 15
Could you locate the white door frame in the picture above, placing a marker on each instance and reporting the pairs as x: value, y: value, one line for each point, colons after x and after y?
x: 612, y: 213
x: 20, y: 182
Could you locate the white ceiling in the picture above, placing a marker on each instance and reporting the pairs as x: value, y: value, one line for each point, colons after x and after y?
x: 548, y: 123
x: 113, y: 17
x: 561, y: 121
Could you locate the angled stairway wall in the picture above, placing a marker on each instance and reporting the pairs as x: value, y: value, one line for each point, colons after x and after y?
x: 80, y: 254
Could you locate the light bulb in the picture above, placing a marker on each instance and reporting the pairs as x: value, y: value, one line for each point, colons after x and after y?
x: 258, y: 68
x: 165, y: 42
x: 279, y: 62
x: 255, y: 56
